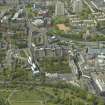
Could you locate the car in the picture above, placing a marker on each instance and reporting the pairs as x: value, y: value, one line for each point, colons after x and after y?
x: 53, y: 39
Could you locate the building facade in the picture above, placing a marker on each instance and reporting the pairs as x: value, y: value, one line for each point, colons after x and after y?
x: 59, y: 8
x: 77, y: 6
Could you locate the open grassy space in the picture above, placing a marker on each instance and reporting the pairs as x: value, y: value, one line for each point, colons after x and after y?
x: 30, y: 104
x: 51, y: 95
x: 3, y: 7
x: 55, y: 65
x: 32, y: 97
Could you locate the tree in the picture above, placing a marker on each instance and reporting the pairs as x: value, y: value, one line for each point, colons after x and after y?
x: 91, y: 98
x: 101, y: 102
x: 78, y: 102
x: 58, y: 20
x: 3, y: 101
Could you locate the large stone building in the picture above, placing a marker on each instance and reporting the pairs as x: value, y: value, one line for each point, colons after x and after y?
x: 9, y: 1
x: 15, y: 1
x: 77, y: 6
x: 99, y: 82
x: 51, y: 51
x: 99, y: 4
x: 59, y: 8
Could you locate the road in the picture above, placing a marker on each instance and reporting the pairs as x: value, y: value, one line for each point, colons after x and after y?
x: 87, y: 3
x: 86, y: 43
x: 8, y: 59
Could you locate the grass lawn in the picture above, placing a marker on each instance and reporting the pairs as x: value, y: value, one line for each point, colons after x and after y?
x: 29, y: 104
x: 55, y: 65
x: 50, y: 95
x: 41, y: 95
x: 32, y: 97
x: 2, y: 7
x: 35, y: 97
x: 26, y: 104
